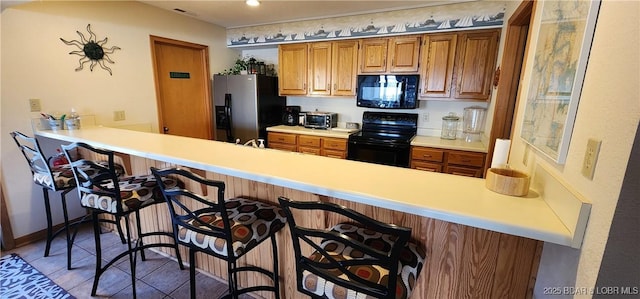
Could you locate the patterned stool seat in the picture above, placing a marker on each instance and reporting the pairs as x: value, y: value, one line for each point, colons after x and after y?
x: 411, y: 261
x: 63, y: 176
x: 136, y: 192
x: 251, y: 222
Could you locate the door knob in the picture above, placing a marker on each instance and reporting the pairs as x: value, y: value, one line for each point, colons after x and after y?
x: 165, y: 129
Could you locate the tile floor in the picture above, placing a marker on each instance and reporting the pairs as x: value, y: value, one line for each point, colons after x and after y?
x: 152, y: 279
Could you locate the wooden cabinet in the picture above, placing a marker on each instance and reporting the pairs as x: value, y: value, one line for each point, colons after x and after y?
x: 438, y: 57
x: 331, y: 69
x: 459, y: 65
x: 319, y: 68
x: 447, y: 161
x: 475, y: 64
x: 344, y: 68
x: 308, y: 144
x: 292, y: 65
x: 390, y: 55
x: 334, y: 147
x: 404, y: 54
x: 282, y: 141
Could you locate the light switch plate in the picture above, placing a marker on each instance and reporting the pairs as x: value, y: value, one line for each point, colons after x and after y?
x: 34, y: 105
x: 118, y: 115
x: 590, y: 158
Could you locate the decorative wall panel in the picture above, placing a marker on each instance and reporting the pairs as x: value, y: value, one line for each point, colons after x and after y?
x: 454, y: 17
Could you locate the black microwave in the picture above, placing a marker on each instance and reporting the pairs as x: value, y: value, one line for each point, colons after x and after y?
x: 388, y: 91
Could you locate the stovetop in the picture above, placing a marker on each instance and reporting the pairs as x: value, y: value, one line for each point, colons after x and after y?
x: 387, y: 127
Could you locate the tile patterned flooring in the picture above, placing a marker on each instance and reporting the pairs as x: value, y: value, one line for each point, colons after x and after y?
x: 157, y: 277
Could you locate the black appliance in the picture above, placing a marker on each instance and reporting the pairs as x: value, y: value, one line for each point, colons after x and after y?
x: 245, y: 105
x: 388, y: 91
x: 385, y: 138
x: 291, y: 115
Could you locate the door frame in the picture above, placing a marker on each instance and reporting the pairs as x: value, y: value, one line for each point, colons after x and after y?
x: 204, y: 51
x: 515, y: 51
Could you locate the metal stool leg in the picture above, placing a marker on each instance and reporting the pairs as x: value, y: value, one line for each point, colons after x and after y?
x: 47, y: 210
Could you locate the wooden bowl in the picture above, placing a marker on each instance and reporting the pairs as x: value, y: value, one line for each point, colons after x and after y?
x: 507, y: 181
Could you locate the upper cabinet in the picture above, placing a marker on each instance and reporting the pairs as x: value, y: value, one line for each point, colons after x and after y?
x: 332, y: 68
x: 438, y: 56
x: 329, y: 68
x: 459, y: 65
x: 390, y: 55
x: 452, y: 65
x: 475, y: 64
x: 292, y: 65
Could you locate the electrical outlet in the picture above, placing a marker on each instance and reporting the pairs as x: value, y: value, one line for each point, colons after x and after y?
x: 118, y: 115
x: 425, y: 117
x: 590, y: 158
x: 34, y: 104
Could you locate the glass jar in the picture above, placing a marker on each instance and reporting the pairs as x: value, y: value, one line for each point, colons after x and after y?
x: 449, y: 126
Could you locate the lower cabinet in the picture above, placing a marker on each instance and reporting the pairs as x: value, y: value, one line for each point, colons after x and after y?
x: 448, y: 161
x: 308, y: 144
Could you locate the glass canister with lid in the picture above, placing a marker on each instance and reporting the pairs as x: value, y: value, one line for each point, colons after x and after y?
x: 449, y: 126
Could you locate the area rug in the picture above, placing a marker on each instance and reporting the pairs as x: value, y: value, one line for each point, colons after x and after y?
x: 18, y: 279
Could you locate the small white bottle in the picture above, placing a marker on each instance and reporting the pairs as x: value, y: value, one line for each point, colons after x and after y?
x: 74, y: 120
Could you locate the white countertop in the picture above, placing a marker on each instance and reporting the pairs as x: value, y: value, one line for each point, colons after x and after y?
x: 333, y: 132
x: 445, y: 197
x: 457, y: 144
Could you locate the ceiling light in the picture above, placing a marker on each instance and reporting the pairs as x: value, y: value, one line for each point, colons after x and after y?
x: 252, y: 2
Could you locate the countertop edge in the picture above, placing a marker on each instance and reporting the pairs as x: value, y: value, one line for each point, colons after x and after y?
x: 555, y: 231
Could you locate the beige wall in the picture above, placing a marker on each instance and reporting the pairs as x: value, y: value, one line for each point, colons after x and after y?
x: 36, y: 64
x: 609, y: 110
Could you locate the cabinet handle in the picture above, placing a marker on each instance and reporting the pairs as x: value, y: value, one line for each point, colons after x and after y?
x: 328, y: 86
x: 427, y: 156
x: 335, y: 86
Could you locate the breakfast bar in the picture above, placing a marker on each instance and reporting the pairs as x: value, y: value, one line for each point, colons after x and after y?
x: 479, y: 243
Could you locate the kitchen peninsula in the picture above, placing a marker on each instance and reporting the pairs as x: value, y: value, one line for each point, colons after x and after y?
x: 478, y: 243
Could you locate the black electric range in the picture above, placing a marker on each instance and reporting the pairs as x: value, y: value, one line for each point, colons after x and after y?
x: 385, y: 138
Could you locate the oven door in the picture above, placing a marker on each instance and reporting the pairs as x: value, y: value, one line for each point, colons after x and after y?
x: 379, y: 153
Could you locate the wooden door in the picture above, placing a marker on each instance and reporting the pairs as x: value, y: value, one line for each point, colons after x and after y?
x: 183, y: 89
x: 373, y: 55
x: 438, y: 53
x: 292, y: 59
x: 475, y: 60
x: 320, y: 68
x: 344, y: 68
x: 404, y: 54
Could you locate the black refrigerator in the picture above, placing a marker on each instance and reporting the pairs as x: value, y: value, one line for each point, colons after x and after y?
x: 245, y: 105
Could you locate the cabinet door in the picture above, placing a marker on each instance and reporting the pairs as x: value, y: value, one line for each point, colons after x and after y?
x: 426, y: 166
x: 404, y: 54
x: 438, y: 53
x: 292, y: 59
x: 309, y: 141
x: 464, y: 171
x: 344, y: 68
x: 475, y: 61
x: 320, y: 68
x: 373, y: 55
x: 334, y: 154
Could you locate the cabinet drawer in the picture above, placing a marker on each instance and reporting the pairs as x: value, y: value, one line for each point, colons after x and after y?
x: 334, y: 154
x: 283, y: 146
x: 466, y: 158
x: 427, y: 154
x: 426, y: 166
x: 335, y: 144
x: 281, y: 138
x: 309, y: 150
x: 309, y: 141
x: 464, y: 171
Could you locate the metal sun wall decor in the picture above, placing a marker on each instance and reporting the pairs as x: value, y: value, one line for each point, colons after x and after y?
x: 92, y: 50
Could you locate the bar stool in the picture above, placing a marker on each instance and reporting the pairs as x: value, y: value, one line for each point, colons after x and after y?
x: 102, y: 192
x: 226, y: 229
x: 57, y: 179
x: 356, y: 258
